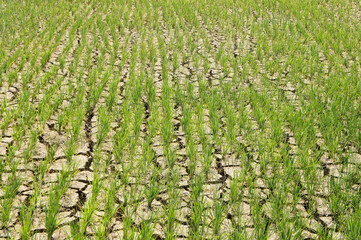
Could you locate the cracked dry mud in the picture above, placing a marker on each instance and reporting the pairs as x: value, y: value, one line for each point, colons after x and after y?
x: 252, y: 186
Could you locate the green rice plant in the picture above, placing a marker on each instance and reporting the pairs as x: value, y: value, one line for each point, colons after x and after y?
x: 129, y: 231
x: 173, y: 204
x: 137, y: 126
x: 57, y: 190
x: 154, y: 187
x: 30, y: 149
x: 3, y: 108
x: 89, y: 209
x: 13, y: 77
x: 218, y: 215
x: 103, y: 125
x: 287, y: 231
x: 353, y: 226
x: 5, y: 122
x: 166, y: 128
x: 61, y: 119
x: 197, y: 229
x: 110, y: 100
x: 45, y: 58
x: 121, y: 139
x: 236, y: 190
x: 62, y: 63
x: 231, y: 124
x: 337, y: 201
x: 261, y: 222
x: 191, y: 151
x: 18, y: 133
x: 147, y: 229
x: 278, y: 200
x: 10, y: 191
x: 213, y: 114
x: 26, y: 214
x: 110, y: 210
x: 207, y: 157
x: 324, y: 233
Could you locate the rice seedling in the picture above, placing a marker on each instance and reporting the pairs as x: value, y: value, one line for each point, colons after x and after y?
x: 57, y: 190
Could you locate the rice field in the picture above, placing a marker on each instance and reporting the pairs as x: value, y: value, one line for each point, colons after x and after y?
x: 180, y: 119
